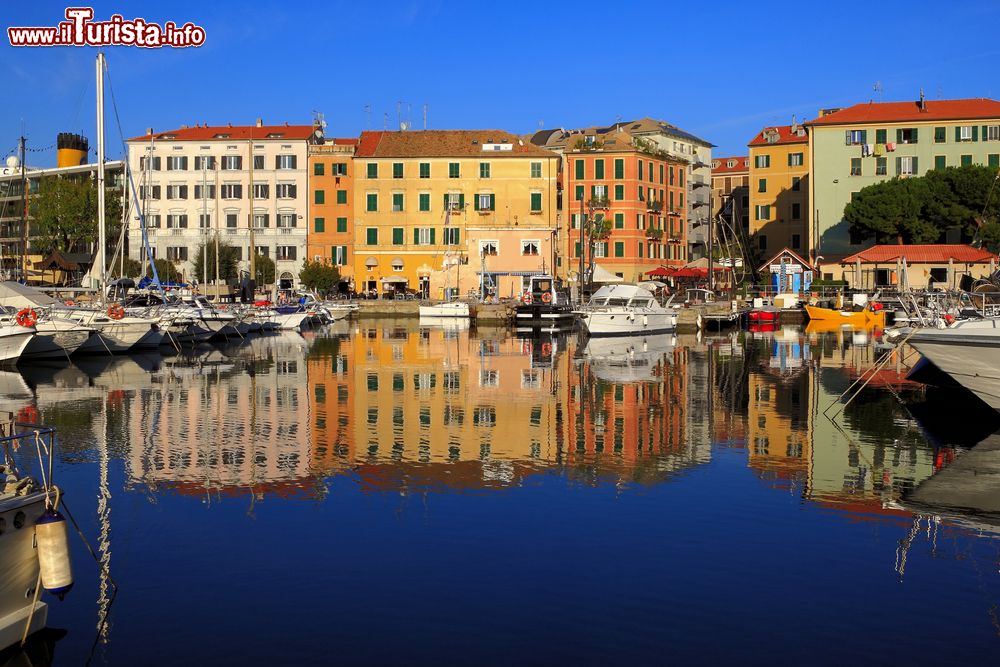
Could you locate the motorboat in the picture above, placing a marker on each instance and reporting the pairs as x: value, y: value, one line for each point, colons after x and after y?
x: 543, y: 306
x: 626, y: 310
x: 117, y: 330
x: 14, y: 337
x: 446, y: 309
x: 968, y: 350
x: 865, y: 317
x: 56, y: 338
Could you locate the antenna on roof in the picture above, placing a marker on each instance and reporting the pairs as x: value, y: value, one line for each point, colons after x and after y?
x: 399, y: 117
x: 368, y: 115
x: 385, y: 120
x: 541, y: 124
x: 425, y: 116
x: 877, y: 89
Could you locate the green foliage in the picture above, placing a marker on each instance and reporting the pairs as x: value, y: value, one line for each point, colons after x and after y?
x: 828, y: 283
x: 228, y: 262
x: 132, y: 268
x: 65, y: 213
x: 922, y: 209
x: 600, y: 228
x: 319, y: 276
x: 166, y: 270
x: 263, y: 270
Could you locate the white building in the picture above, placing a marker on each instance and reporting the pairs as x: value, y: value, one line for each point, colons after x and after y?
x: 197, y: 181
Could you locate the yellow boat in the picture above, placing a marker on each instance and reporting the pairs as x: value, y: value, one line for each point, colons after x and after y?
x: 864, y: 317
x: 825, y: 326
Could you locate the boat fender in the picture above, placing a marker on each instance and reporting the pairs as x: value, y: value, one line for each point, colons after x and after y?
x: 54, y: 564
x: 26, y: 317
x: 645, y: 320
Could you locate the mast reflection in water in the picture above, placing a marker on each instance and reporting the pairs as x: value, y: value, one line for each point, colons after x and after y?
x: 390, y: 490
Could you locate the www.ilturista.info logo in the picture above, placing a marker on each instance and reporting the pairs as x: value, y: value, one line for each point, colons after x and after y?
x: 80, y: 30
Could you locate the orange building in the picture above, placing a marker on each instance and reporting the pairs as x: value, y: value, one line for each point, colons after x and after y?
x: 330, y: 237
x: 639, y: 190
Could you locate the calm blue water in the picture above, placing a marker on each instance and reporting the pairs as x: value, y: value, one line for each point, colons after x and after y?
x: 390, y: 493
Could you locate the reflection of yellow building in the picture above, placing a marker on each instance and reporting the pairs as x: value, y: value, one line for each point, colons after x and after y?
x: 779, y: 189
x: 419, y: 195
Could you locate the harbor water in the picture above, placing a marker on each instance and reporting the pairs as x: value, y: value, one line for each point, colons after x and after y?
x: 393, y: 492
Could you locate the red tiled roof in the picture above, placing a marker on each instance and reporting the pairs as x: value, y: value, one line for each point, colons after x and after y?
x: 346, y: 141
x: 796, y: 256
x: 888, y: 112
x: 445, y: 143
x: 235, y: 132
x: 742, y: 164
x: 922, y: 254
x: 785, y: 136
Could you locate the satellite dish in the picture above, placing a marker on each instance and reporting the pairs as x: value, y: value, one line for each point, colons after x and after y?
x: 13, y: 162
x: 405, y: 125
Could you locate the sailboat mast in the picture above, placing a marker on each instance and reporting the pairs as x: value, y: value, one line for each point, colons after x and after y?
x: 101, y: 241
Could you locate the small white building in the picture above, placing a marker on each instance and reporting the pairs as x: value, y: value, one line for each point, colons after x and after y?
x: 195, y: 182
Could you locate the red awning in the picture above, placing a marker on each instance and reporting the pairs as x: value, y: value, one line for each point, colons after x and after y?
x: 660, y: 272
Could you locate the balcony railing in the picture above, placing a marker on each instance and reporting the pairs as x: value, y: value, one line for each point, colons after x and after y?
x: 286, y: 230
x: 654, y: 206
x: 654, y: 234
x: 599, y: 202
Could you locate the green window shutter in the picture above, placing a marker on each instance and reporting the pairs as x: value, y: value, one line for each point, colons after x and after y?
x: 975, y: 133
x: 619, y: 221
x: 320, y: 197
x: 416, y: 236
x: 620, y: 167
x: 341, y: 225
x: 576, y: 249
x: 593, y: 191
x: 578, y: 195
x: 619, y: 192
x: 994, y: 160
x: 578, y: 166
x: 958, y: 133
x: 318, y: 169
x: 899, y: 135
x: 847, y: 137
x: 397, y: 236
x: 619, y: 249
x: 343, y: 253
x: 790, y: 159
x: 493, y: 203
x: 373, y: 170
x: 475, y: 203
x: 372, y: 202
x: 915, y: 133
x: 341, y: 196
x: 320, y: 225
x: 899, y: 166
x: 397, y: 169
x: 598, y: 168
x: 425, y: 202
x: 461, y: 201
x: 536, y: 201
x: 880, y: 136
x: 372, y: 236
x: 916, y: 169
x: 445, y: 204
x: 433, y: 241
x: 864, y: 136
x: 640, y: 249
x: 985, y: 133
x: 605, y: 249
x: 939, y: 162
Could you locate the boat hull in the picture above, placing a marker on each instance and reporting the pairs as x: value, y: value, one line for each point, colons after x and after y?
x: 13, y: 340
x: 635, y: 322
x: 864, y: 317
x: 20, y: 568
x: 454, y: 309
x: 970, y: 355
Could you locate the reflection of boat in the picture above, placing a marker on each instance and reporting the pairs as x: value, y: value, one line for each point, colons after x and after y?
x: 863, y: 317
x: 626, y: 310
x: 968, y: 351
x: 763, y: 315
x: 628, y: 358
x: 825, y: 326
x: 448, y: 323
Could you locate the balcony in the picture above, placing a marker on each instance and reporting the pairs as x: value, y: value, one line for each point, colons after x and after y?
x: 697, y: 203
x: 599, y: 203
x: 699, y: 183
x: 654, y: 234
x: 231, y: 230
x: 654, y: 206
x: 286, y: 230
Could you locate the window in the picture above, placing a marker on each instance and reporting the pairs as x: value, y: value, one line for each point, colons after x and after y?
x: 260, y: 190
x: 284, y: 191
x: 231, y: 220
x: 319, y: 225
x: 880, y: 136
x: 286, y: 220
x: 338, y: 169
x: 371, y: 202
x: 150, y: 192
x: 144, y: 164
x: 906, y: 135
x: 578, y: 193
x: 795, y: 159
x: 600, y: 250
x: 177, y: 192
x: 962, y: 133
x: 177, y: 163
x: 397, y: 236
x: 484, y: 170
x: 340, y: 255
x: 762, y: 161
x: 341, y: 225
x: 425, y: 170
x: 994, y: 160
x: 966, y: 161
x: 762, y: 185
x: 485, y: 202
x: 177, y: 221
x: 796, y: 241
x: 284, y: 161
x: 285, y: 253
x: 260, y: 220
x: 204, y: 162
x: 232, y: 191
x: 319, y: 197
x: 939, y: 135
x: 940, y: 162
x: 232, y: 162
x: 619, y: 192
x: 489, y: 248
x: 619, y: 168
x: 263, y: 251
x: 536, y: 202
x: 205, y: 220
x: 177, y: 253
x: 258, y: 162
x: 578, y: 167
x: 763, y: 212
x: 880, y: 166
x: 454, y: 170
x: 152, y: 222
x: 599, y: 191
x: 619, y: 248
x: 796, y: 211
x: 317, y: 169
x: 397, y: 202
x: 598, y: 169
x: 397, y: 169
x: 373, y: 170
x: 855, y: 137
x: 619, y: 221
x: 424, y: 201
x: 855, y: 166
x: 372, y: 236
x: 991, y: 132
x: 796, y: 183
x: 341, y: 196
x: 906, y: 166
x: 451, y: 235
x: 454, y: 201
x: 530, y: 248
x: 423, y: 236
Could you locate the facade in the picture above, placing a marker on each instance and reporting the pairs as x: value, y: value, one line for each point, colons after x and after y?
x: 330, y: 235
x: 867, y: 143
x: 445, y: 212
x: 640, y: 191
x: 731, y: 191
x: 779, y: 189
x: 198, y: 182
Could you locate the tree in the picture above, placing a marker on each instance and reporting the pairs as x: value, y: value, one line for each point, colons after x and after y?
x: 65, y: 213
x: 320, y: 276
x: 228, y: 262
x: 264, y: 269
x: 166, y: 270
x: 132, y: 268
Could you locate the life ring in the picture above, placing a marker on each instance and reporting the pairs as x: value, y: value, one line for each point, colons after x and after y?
x: 69, y: 302
x: 116, y: 311
x: 546, y: 349
x: 526, y: 298
x: 546, y: 297
x: 26, y: 317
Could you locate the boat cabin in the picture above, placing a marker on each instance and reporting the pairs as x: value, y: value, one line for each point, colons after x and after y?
x: 542, y: 289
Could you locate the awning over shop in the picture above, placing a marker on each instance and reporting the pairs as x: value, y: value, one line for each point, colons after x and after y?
x: 371, y: 262
x: 394, y: 280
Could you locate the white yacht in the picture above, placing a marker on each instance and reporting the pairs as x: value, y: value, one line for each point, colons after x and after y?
x: 13, y: 339
x: 447, y: 309
x: 968, y: 351
x: 56, y: 338
x: 114, y: 334
x: 626, y: 310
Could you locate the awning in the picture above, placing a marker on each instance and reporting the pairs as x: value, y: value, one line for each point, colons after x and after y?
x: 394, y: 279
x: 510, y: 273
x: 662, y: 271
x: 370, y: 262
x: 424, y: 270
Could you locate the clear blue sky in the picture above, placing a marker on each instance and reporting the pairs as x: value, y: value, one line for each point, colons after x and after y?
x: 720, y: 70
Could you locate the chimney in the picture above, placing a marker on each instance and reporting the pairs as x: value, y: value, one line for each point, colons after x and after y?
x: 260, y: 122
x: 149, y: 131
x: 184, y: 127
x: 923, y: 106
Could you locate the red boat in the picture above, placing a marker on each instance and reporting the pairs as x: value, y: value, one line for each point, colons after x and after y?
x: 761, y: 316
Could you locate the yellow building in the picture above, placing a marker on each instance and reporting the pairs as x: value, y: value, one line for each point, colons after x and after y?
x: 418, y: 195
x: 779, y: 189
